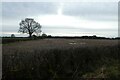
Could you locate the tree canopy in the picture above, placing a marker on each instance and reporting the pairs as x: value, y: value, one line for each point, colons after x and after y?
x: 29, y: 26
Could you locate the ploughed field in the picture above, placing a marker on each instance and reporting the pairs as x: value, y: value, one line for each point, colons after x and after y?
x: 61, y: 59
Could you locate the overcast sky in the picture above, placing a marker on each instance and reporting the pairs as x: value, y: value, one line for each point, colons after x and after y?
x: 63, y: 18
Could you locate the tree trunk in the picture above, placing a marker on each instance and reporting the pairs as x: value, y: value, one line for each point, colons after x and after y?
x: 30, y: 35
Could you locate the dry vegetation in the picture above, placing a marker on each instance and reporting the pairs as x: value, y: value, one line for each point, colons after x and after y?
x: 61, y: 59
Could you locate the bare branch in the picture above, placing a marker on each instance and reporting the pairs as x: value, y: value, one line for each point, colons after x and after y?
x: 29, y: 26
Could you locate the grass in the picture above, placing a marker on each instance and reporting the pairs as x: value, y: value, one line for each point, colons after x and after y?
x: 58, y: 59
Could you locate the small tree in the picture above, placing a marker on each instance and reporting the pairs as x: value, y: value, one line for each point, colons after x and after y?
x: 29, y: 26
x: 44, y: 35
x: 12, y: 35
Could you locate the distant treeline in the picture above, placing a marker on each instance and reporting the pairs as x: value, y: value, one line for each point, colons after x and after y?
x: 81, y: 37
x: 17, y: 39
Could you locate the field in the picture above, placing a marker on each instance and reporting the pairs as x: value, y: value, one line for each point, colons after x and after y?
x: 61, y: 59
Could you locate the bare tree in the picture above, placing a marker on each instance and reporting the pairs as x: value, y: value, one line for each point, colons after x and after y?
x: 29, y: 26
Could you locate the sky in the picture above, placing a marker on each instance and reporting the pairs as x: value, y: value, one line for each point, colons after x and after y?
x: 63, y: 18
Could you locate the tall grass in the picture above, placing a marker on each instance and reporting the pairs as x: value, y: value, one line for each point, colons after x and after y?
x: 81, y: 63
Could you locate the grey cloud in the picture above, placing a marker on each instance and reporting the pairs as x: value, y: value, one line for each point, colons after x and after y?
x: 21, y: 9
x: 10, y: 28
x: 15, y: 11
x: 89, y: 10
